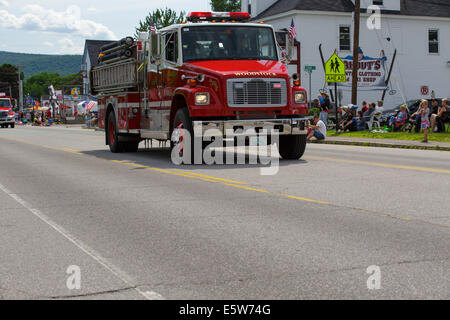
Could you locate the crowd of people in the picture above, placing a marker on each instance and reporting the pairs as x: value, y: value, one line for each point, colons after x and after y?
x: 426, y: 119
x: 38, y: 117
x: 430, y: 120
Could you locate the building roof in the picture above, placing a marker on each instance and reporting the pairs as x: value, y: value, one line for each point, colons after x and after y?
x: 93, y: 48
x: 426, y: 8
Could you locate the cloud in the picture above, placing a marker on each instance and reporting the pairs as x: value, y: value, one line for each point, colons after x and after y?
x: 90, y: 10
x: 37, y: 18
x: 4, y: 3
x: 66, y: 46
x: 48, y: 44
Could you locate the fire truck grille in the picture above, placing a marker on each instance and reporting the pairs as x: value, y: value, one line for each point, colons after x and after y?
x: 256, y: 92
x: 3, y: 114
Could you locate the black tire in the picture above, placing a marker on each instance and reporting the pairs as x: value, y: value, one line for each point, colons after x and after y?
x: 292, y: 147
x: 12, y: 126
x: 113, y: 138
x: 182, y: 117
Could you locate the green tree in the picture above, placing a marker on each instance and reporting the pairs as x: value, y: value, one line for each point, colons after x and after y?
x: 38, y: 84
x: 9, y: 77
x: 226, y: 5
x: 161, y: 18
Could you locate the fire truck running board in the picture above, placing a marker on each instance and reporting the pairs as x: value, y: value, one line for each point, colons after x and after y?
x: 157, y: 135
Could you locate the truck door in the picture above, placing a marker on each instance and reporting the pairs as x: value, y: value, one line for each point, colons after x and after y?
x: 151, y: 118
x: 170, y: 75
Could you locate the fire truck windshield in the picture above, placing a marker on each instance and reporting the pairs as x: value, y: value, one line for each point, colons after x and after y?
x: 228, y: 43
x: 5, y: 103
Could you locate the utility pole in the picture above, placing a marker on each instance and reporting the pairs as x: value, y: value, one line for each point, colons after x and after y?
x: 20, y: 90
x: 356, y: 25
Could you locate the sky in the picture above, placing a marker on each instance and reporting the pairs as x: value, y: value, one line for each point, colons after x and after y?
x: 61, y: 27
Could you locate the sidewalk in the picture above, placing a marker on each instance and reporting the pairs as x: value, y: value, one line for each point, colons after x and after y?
x: 387, y: 143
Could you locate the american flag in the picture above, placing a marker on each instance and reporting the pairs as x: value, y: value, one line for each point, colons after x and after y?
x: 292, y: 30
x: 90, y: 105
x: 152, y: 27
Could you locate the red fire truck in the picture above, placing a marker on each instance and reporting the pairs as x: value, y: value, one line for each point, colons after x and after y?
x: 217, y: 71
x: 7, y: 115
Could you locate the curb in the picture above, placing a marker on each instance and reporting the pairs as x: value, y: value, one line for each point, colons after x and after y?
x: 383, y: 145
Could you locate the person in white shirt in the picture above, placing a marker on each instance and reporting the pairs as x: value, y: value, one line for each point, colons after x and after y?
x: 380, y: 107
x: 319, y: 130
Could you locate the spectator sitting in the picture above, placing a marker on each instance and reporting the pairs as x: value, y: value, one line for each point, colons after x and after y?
x: 371, y: 110
x: 434, y: 106
x: 349, y: 123
x: 399, y: 120
x: 319, y: 130
x: 360, y: 121
x: 380, y: 107
x: 437, y: 122
x: 364, y: 107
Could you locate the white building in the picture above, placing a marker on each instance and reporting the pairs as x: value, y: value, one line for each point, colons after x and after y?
x: 418, y: 29
x: 90, y: 59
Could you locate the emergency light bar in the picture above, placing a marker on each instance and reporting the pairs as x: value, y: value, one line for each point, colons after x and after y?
x: 210, y: 16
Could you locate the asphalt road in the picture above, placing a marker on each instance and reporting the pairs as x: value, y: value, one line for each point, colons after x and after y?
x: 138, y: 227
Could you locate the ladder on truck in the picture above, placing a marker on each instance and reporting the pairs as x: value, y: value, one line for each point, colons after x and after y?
x: 116, y: 76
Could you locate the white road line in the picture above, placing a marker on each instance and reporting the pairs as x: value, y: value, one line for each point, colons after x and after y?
x: 149, y: 295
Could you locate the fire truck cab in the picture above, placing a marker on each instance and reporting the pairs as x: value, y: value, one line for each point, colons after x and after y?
x: 7, y: 115
x: 214, y: 72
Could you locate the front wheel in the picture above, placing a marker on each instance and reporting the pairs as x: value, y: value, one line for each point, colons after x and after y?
x: 12, y: 126
x: 292, y: 147
x: 182, y: 140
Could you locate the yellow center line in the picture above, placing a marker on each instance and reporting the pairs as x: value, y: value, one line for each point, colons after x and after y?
x: 304, y: 199
x: 163, y: 171
x: 245, y: 188
x: 67, y: 150
x: 379, y: 164
x: 209, y: 177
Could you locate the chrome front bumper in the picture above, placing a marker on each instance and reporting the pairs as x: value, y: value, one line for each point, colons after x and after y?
x: 234, y: 128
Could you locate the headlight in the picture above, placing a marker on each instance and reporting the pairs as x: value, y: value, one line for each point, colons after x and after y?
x: 300, y: 97
x: 202, y: 99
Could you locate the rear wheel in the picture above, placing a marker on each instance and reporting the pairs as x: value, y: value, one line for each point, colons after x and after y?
x: 113, y: 139
x: 12, y: 125
x: 292, y: 147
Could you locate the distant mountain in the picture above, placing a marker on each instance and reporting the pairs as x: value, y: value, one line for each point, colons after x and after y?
x: 32, y: 64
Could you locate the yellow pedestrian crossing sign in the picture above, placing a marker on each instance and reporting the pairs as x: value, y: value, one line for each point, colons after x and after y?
x: 335, y: 69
